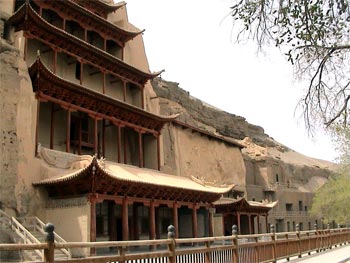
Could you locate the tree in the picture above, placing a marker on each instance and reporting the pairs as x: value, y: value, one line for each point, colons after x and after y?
x: 314, y: 36
x: 332, y: 199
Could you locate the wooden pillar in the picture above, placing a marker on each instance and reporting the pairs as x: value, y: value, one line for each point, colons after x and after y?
x: 124, y: 90
x: 125, y: 146
x: 176, y: 220
x: 158, y: 152
x: 125, y: 219
x: 64, y: 24
x: 40, y: 11
x: 194, y: 222
x: 52, y: 126
x: 119, y: 139
x: 54, y: 65
x: 142, y: 97
x: 250, y: 223
x: 104, y: 82
x: 68, y: 131
x: 140, y: 150
x: 103, y: 137
x: 259, y: 228
x: 95, y: 137
x: 135, y: 227
x: 85, y: 34
x: 267, y: 225
x: 105, y: 44
x: 239, y: 222
x: 152, y: 221
x: 81, y: 72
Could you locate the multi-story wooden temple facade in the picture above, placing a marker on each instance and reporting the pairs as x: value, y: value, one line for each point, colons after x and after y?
x: 98, y: 144
x: 97, y: 150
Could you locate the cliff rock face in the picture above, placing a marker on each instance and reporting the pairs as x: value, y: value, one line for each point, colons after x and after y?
x: 17, y: 132
x: 267, y: 161
x: 198, y: 114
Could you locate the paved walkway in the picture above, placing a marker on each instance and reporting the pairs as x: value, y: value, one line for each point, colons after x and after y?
x: 340, y: 254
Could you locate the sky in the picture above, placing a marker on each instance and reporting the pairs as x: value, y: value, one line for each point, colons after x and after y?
x: 195, y: 43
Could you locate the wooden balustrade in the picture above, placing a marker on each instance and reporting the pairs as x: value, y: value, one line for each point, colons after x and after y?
x: 235, y: 248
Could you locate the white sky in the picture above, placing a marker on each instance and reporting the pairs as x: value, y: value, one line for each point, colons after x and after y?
x: 193, y: 42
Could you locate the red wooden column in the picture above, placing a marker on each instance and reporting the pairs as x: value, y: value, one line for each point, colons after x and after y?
x: 68, y: 130
x: 103, y: 137
x: 124, y: 90
x: 239, y: 222
x: 194, y: 222
x: 104, y: 82
x: 152, y: 221
x: 141, y: 164
x: 119, y: 139
x: 125, y: 146
x: 64, y: 24
x: 142, y: 97
x: 54, y: 65
x: 95, y: 136
x: 92, y: 199
x: 176, y: 219
x: 81, y: 72
x: 125, y: 219
x: 52, y: 128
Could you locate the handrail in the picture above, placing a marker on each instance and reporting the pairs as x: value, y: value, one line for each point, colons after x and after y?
x: 235, y: 248
x: 40, y: 226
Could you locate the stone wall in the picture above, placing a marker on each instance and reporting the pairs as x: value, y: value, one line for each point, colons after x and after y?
x: 18, y: 167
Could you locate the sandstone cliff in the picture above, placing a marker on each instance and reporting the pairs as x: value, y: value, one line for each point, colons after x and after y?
x: 305, y: 172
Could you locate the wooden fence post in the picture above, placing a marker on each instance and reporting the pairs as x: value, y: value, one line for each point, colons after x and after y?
x: 172, y: 245
x: 235, y: 256
x: 49, y: 252
x: 317, y: 242
x: 299, y: 240
x: 274, y: 247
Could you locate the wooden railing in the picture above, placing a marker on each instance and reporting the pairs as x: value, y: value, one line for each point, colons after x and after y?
x: 236, y: 248
x: 35, y: 224
x: 21, y: 234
